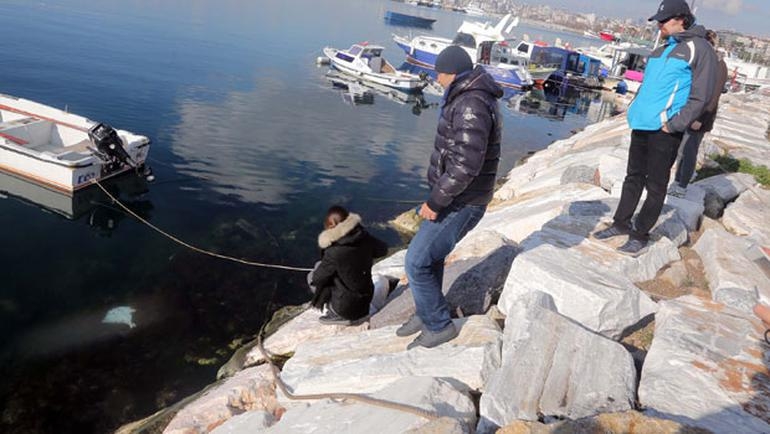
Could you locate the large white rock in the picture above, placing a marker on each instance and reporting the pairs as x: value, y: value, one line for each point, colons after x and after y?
x: 432, y: 394
x: 249, y: 422
x: 595, y: 296
x: 609, y: 134
x: 392, y: 266
x: 553, y: 174
x: 732, y: 269
x: 530, y: 212
x: 727, y: 186
x: 473, y: 278
x: 612, y: 168
x: 374, y: 359
x: 302, y: 328
x: 476, y: 270
x: 749, y: 215
x: 252, y: 389
x: 550, y: 368
x: 708, y: 367
x: 573, y: 229
x: 689, y: 209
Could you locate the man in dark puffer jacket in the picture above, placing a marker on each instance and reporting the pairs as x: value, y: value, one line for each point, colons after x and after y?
x: 461, y: 177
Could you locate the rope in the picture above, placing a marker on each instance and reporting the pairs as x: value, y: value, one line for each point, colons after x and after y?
x: 190, y: 246
x: 427, y: 414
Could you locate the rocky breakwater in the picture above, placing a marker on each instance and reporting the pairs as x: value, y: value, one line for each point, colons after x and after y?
x: 546, y: 313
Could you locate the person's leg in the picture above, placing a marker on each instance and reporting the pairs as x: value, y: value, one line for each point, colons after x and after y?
x: 425, y: 262
x: 636, y: 175
x: 686, y: 167
x: 662, y: 150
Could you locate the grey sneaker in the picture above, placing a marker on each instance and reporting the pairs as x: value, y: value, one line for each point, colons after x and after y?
x: 410, y: 327
x: 612, y: 231
x: 332, y: 318
x: 676, y: 190
x: 429, y: 339
x: 633, y: 247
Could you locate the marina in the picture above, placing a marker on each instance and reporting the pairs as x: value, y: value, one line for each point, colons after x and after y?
x: 136, y: 295
x: 250, y: 144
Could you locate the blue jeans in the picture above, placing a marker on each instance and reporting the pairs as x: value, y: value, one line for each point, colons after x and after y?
x: 425, y: 261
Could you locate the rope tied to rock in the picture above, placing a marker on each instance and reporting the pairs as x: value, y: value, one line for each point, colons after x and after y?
x: 430, y: 415
x: 190, y: 246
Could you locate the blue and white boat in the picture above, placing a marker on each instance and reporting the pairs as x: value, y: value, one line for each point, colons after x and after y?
x: 422, y: 50
x: 400, y: 19
x: 485, y: 44
x: 365, y: 61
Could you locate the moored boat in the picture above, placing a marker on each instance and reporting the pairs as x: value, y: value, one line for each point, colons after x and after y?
x: 400, y: 19
x: 422, y: 50
x: 61, y: 150
x: 366, y: 62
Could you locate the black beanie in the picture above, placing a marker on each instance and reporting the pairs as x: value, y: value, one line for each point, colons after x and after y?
x: 453, y: 60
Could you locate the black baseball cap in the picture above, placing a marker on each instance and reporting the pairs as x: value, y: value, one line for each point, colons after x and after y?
x: 670, y: 9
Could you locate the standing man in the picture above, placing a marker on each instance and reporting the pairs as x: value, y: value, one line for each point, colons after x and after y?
x: 461, y: 177
x: 678, y: 83
x: 694, y: 135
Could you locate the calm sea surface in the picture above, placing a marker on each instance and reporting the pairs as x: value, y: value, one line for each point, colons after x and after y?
x: 251, y: 142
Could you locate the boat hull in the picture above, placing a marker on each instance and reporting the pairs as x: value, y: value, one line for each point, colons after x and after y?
x: 396, y: 18
x: 50, y: 147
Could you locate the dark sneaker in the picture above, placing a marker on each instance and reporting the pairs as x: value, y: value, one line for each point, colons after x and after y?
x: 633, y: 247
x: 677, y: 190
x: 410, y: 327
x: 429, y: 339
x: 332, y: 318
x: 612, y: 231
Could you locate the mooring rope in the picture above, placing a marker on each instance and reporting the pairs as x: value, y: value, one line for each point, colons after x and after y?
x: 366, y: 399
x: 190, y: 246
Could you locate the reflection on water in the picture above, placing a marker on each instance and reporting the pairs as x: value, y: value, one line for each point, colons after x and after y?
x: 361, y: 92
x: 103, y: 215
x: 556, y: 106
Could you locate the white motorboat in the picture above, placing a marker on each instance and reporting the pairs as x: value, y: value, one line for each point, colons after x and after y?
x: 366, y: 62
x: 61, y: 150
x: 474, y: 10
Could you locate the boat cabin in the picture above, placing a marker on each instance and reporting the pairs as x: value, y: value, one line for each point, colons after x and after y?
x: 567, y: 61
x: 501, y: 54
x: 371, y: 55
x: 630, y: 63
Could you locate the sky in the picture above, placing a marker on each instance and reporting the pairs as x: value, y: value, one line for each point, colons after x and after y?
x: 746, y: 16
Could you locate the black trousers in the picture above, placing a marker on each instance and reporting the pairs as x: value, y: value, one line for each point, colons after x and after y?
x: 686, y: 165
x: 650, y: 158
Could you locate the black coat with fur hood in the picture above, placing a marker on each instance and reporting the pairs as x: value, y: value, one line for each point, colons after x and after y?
x: 344, y: 276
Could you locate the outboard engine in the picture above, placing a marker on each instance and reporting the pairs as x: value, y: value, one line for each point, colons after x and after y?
x: 109, y: 145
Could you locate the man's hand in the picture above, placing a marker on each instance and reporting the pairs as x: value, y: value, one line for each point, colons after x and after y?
x: 696, y: 126
x: 427, y: 213
x: 665, y: 128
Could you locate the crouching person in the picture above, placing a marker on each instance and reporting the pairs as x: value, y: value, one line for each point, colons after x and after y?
x: 342, y: 280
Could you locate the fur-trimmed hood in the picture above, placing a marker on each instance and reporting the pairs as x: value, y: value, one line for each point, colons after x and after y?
x: 329, y: 236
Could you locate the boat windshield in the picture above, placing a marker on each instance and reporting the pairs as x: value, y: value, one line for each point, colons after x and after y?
x: 372, y: 52
x: 505, y: 54
x: 464, y: 40
x: 548, y: 58
x: 354, y: 50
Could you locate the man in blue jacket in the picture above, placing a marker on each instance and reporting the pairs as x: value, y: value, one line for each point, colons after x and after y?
x: 461, y: 177
x: 677, y: 85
